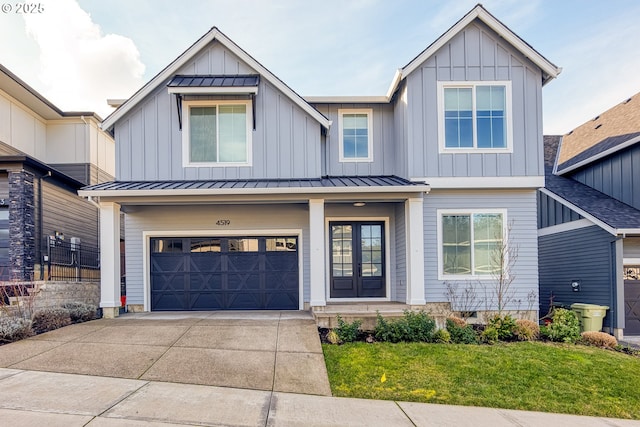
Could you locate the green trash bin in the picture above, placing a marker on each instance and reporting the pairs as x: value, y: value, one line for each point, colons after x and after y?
x: 590, y: 316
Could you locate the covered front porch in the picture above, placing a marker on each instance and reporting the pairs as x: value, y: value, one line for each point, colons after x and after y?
x: 344, y: 240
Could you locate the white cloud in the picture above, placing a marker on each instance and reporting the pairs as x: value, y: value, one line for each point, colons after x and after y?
x: 79, y: 66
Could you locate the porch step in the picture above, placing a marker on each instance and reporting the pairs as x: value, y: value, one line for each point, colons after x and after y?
x: 326, y: 317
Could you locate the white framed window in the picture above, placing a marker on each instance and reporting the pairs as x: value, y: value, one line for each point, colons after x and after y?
x: 356, y: 140
x: 216, y: 133
x: 475, y: 116
x: 470, y: 243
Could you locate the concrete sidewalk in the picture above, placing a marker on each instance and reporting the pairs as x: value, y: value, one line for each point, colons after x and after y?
x: 32, y: 398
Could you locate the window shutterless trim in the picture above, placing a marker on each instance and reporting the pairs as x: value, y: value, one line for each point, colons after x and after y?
x: 508, y: 121
x: 186, y: 132
x: 369, y: 113
x: 439, y: 229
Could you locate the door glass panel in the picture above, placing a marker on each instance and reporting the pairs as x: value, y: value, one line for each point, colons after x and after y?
x: 166, y: 245
x: 205, y: 245
x: 371, y: 250
x: 342, y: 253
x: 243, y: 245
x: 287, y: 244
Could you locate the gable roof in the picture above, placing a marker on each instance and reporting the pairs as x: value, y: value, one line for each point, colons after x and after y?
x: 608, y: 213
x: 611, y: 131
x: 549, y: 70
x: 171, y: 69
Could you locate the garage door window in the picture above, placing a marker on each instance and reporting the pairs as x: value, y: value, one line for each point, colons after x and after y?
x: 243, y: 245
x: 167, y: 245
x: 281, y: 244
x: 205, y: 245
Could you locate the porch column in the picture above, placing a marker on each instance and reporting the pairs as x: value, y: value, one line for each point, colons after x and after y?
x: 110, y: 259
x: 316, y: 256
x: 414, y: 219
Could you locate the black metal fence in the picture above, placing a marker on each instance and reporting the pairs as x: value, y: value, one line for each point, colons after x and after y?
x: 71, y: 261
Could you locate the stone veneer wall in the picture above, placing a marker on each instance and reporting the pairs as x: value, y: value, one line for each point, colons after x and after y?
x: 51, y: 294
x: 22, y: 247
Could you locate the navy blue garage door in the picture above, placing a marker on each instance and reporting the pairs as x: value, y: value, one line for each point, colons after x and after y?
x: 224, y: 273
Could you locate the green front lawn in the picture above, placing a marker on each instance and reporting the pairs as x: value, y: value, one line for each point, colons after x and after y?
x: 529, y: 376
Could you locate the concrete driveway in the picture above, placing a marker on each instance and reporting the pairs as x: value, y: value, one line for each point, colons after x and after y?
x: 271, y: 351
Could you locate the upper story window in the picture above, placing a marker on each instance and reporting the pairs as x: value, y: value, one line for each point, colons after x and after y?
x: 475, y: 116
x: 216, y: 133
x: 355, y: 135
x: 470, y: 243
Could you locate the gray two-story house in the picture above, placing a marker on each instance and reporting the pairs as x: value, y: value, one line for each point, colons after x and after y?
x: 589, y: 236
x: 238, y: 193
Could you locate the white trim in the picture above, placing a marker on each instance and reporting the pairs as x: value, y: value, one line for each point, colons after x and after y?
x: 508, y: 120
x: 387, y: 256
x: 369, y: 113
x: 146, y: 252
x: 580, y: 211
x: 597, y: 156
x: 567, y: 226
x: 482, y: 182
x: 255, y: 191
x: 241, y: 90
x: 110, y: 254
x: 347, y: 99
x: 480, y: 13
x: 631, y: 261
x: 189, y: 54
x: 317, y: 280
x: 471, y: 212
x: 397, y: 78
x: 414, y: 246
x: 186, y: 133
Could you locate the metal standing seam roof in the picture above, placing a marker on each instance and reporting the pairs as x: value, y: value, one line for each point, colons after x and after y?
x: 327, y: 182
x: 206, y: 80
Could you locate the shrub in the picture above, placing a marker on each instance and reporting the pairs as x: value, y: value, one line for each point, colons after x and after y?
x: 563, y: 328
x: 460, y: 332
x: 413, y: 327
x: 80, y: 312
x: 442, y: 336
x: 332, y: 337
x: 598, y: 339
x: 48, y: 319
x: 504, y: 326
x: 14, y: 329
x: 347, y: 332
x: 490, y: 335
x: 526, y: 330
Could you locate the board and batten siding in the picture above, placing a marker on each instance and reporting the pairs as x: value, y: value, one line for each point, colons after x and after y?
x: 285, y: 143
x: 383, y: 141
x: 551, y: 212
x: 201, y: 220
x: 587, y: 255
x: 476, y: 54
x: 521, y: 217
x: 617, y: 176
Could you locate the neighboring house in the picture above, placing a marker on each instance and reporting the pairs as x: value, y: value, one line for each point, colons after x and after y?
x: 589, y: 217
x: 240, y: 194
x: 46, y: 155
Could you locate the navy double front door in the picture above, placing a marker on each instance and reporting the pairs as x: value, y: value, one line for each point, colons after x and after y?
x: 357, y: 259
x: 224, y: 273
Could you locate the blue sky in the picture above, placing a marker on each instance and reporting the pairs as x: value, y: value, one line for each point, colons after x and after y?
x: 79, y: 52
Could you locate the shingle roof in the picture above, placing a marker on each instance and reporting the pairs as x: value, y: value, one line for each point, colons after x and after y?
x: 200, y: 80
x: 327, y: 182
x: 606, y: 209
x: 612, y: 128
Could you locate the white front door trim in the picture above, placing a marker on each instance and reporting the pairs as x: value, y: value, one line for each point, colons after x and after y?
x: 387, y: 257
